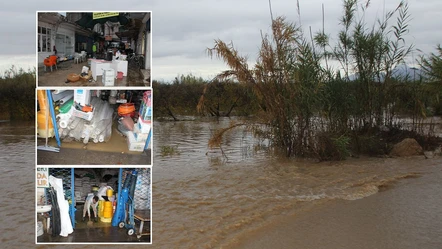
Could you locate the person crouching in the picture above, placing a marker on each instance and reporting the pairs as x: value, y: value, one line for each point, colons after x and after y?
x: 91, y: 201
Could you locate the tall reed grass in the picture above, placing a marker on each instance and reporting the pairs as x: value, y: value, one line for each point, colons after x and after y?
x: 311, y: 109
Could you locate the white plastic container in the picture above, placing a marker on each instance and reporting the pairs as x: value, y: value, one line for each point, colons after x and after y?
x: 84, y: 115
x: 143, y: 125
x: 40, y: 228
x: 108, y: 78
x: 139, y: 136
x: 82, y: 97
x: 132, y: 143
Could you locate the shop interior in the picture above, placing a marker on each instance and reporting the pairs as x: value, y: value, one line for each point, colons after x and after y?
x: 93, y: 205
x: 94, y: 49
x: 94, y: 127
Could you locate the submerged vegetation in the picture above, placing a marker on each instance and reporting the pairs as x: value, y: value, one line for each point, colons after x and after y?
x: 17, y: 91
x: 167, y: 150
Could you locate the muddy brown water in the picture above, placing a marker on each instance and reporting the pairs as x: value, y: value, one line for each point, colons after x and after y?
x: 17, y: 162
x: 201, y: 199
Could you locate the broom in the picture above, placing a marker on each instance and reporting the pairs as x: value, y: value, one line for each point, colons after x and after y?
x: 46, y: 147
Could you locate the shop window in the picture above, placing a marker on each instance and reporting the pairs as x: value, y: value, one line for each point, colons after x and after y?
x: 44, y: 39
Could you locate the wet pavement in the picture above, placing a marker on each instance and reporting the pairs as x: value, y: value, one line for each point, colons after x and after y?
x: 113, y: 152
x: 95, y: 232
x: 58, y: 77
x: 69, y: 156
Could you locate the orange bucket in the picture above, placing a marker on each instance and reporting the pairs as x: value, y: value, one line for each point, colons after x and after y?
x: 127, y: 109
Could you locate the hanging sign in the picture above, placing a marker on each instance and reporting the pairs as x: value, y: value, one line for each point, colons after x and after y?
x: 42, y: 177
x: 99, y: 15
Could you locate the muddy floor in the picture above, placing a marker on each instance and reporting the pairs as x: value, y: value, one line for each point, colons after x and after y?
x: 95, y: 232
x: 68, y: 156
x: 113, y: 152
x: 58, y: 77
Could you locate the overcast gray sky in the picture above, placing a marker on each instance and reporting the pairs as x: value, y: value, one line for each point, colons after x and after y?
x: 182, y: 30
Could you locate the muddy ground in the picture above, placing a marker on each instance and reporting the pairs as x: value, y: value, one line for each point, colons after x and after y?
x: 69, y: 156
x: 58, y: 77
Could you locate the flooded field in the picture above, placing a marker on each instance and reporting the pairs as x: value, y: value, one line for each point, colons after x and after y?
x: 202, y: 199
x: 249, y: 197
x: 17, y: 145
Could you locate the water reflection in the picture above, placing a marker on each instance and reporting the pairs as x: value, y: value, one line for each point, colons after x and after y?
x: 17, y: 163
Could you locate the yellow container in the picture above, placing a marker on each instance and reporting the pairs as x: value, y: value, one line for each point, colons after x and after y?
x: 106, y: 220
x: 108, y: 209
x: 41, y: 120
x: 100, y: 208
x: 41, y: 96
x: 42, y: 133
x: 43, y: 116
x: 109, y: 192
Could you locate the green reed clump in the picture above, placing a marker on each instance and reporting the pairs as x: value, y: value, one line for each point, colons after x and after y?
x: 287, y: 80
x: 17, y: 89
x: 432, y: 65
x: 307, y: 109
x: 330, y: 147
x: 167, y: 150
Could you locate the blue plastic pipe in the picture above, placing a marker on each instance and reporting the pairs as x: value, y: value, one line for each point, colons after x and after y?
x: 54, y: 120
x: 148, y: 139
x: 72, y: 209
x: 119, y: 209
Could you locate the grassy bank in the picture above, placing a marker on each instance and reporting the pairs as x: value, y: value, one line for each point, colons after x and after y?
x: 17, y: 91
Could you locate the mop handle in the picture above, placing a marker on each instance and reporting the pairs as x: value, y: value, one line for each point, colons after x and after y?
x: 54, y: 120
x: 47, y: 121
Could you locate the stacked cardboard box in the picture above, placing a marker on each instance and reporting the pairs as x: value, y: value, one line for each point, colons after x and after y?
x: 82, y: 97
x: 136, y: 139
x: 108, y: 77
x: 145, y: 111
x: 78, y: 189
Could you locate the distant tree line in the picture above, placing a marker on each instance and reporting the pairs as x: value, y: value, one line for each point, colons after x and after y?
x: 188, y: 95
x: 17, y: 91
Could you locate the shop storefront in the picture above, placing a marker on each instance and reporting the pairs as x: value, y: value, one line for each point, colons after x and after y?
x: 73, y: 204
x: 105, y: 123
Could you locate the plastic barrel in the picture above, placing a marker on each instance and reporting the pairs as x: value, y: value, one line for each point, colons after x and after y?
x: 100, y: 208
x: 108, y: 209
x: 109, y: 192
x: 41, y: 120
x: 127, y: 109
x: 41, y: 125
